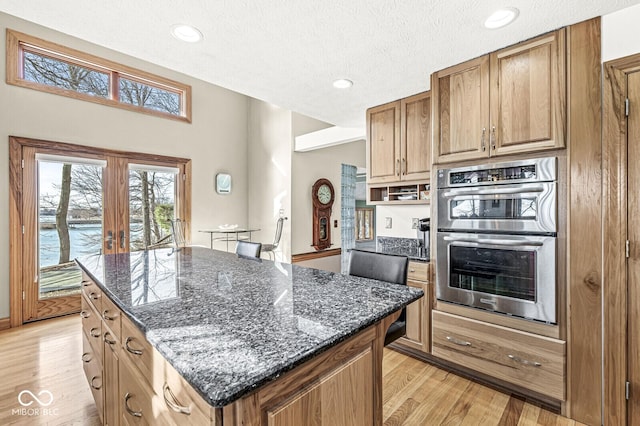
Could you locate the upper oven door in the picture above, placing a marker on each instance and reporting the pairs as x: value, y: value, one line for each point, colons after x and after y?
x: 518, y: 208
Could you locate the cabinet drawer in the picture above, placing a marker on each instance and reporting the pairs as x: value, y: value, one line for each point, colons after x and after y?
x: 418, y: 271
x: 141, y: 355
x: 91, y: 325
x: 111, y: 316
x: 178, y: 396
x: 527, y: 360
x: 92, y: 366
x: 91, y: 291
x: 139, y: 405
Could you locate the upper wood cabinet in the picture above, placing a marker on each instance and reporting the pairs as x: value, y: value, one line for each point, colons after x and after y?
x: 399, y: 140
x: 510, y: 101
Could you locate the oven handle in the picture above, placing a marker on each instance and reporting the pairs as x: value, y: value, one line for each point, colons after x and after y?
x: 495, y: 242
x: 495, y: 191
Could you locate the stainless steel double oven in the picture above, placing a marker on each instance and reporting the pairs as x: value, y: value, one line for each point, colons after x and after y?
x: 496, y: 238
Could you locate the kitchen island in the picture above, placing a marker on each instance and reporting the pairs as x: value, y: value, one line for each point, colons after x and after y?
x: 202, y: 336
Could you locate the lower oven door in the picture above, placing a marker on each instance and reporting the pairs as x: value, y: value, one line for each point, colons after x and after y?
x: 511, y: 274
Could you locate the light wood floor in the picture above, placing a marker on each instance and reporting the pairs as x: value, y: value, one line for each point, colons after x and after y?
x: 416, y: 393
x: 46, y: 356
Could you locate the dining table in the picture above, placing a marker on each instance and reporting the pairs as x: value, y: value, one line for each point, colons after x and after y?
x: 226, y: 233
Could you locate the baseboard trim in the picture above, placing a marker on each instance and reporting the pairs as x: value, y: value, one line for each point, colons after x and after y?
x: 5, y: 323
x: 315, y: 255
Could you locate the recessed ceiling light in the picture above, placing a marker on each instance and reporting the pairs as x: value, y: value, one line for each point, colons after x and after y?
x: 186, y: 33
x: 342, y: 83
x: 501, y: 18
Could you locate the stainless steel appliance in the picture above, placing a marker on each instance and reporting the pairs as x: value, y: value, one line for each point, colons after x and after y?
x: 496, y: 240
x: 424, y: 237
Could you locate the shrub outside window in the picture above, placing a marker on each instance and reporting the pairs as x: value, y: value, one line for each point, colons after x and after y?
x: 48, y: 67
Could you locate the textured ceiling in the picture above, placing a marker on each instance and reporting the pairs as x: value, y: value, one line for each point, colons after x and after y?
x: 288, y: 52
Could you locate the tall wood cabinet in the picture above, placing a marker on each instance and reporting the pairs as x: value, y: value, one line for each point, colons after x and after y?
x: 507, y: 102
x: 399, y: 136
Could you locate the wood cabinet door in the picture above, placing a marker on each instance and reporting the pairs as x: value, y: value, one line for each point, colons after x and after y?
x: 415, y: 134
x: 383, y: 143
x: 111, y: 390
x: 460, y: 97
x: 528, y: 95
x: 416, y: 319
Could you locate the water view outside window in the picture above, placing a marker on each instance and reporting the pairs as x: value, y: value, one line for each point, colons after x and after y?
x: 69, y: 222
x: 65, y: 75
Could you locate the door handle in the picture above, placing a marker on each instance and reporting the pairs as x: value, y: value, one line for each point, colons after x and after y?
x: 123, y: 239
x: 109, y: 240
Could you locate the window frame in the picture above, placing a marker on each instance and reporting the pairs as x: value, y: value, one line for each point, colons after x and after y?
x: 18, y: 42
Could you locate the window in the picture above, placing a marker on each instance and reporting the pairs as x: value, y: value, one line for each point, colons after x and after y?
x: 48, y: 67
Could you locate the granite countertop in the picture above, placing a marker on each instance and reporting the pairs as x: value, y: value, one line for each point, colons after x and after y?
x: 397, y: 246
x: 229, y: 325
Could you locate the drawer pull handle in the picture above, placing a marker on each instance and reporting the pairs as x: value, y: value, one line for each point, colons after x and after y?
x: 458, y: 341
x: 524, y: 361
x: 107, y: 317
x: 93, y: 379
x: 172, y: 402
x: 107, y: 340
x: 127, y: 397
x: 86, y: 357
x: 94, y: 295
x: 93, y: 331
x: 86, y: 283
x: 85, y: 314
x: 130, y: 349
x: 412, y: 270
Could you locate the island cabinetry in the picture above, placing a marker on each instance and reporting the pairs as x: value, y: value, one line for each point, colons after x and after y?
x: 399, y: 140
x: 151, y: 391
x: 92, y: 350
x: 419, y: 312
x: 510, y: 101
x: 527, y: 360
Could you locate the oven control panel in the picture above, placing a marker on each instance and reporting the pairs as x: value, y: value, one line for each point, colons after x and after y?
x: 536, y: 170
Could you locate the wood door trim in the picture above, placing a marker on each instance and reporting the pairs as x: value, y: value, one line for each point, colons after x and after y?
x: 16, y: 198
x: 614, y: 190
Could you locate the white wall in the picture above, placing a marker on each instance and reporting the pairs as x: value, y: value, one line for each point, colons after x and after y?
x: 401, y: 219
x: 619, y: 33
x: 215, y: 141
x: 307, y: 167
x: 269, y: 171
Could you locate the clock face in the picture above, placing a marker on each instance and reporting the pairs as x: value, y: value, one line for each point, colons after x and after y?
x: 324, y: 194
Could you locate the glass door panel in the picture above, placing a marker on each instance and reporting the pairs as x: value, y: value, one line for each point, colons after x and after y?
x: 152, y: 206
x: 69, y: 223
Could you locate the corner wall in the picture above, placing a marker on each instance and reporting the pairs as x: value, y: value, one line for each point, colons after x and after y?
x: 307, y: 167
x: 269, y: 170
x: 215, y: 141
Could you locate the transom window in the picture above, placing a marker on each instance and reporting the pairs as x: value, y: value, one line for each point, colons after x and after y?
x: 48, y: 67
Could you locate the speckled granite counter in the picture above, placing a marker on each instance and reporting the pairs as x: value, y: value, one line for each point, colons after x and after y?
x: 229, y: 325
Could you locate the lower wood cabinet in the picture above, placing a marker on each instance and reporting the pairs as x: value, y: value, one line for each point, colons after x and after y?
x: 524, y: 359
x: 323, y: 403
x: 418, y: 312
x: 132, y: 384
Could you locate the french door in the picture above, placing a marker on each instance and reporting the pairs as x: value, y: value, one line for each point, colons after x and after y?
x: 73, y: 201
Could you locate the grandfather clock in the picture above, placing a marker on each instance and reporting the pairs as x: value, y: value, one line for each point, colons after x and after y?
x: 323, y: 196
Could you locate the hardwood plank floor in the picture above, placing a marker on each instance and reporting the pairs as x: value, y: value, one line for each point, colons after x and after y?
x: 415, y: 393
x: 46, y: 356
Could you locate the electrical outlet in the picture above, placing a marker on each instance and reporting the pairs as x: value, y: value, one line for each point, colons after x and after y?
x: 414, y: 223
x: 387, y: 222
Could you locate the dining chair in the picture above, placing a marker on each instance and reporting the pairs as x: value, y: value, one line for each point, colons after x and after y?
x: 271, y: 248
x: 383, y: 267
x: 178, y: 228
x: 248, y: 249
